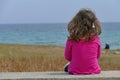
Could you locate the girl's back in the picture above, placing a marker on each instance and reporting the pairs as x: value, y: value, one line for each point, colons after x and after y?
x: 84, y: 56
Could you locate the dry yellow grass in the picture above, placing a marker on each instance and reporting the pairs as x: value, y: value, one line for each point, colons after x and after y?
x: 110, y: 60
x: 31, y: 64
x: 31, y: 58
x: 27, y: 58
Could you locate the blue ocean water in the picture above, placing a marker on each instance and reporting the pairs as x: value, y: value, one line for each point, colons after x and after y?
x: 52, y: 34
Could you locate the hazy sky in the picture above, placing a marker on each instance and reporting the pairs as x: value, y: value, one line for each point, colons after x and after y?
x: 50, y: 11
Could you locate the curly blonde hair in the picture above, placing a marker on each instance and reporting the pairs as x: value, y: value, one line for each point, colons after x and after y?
x: 84, y: 26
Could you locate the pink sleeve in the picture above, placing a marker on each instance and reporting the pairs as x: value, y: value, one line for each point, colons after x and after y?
x: 99, y: 52
x: 68, y: 50
x: 99, y: 49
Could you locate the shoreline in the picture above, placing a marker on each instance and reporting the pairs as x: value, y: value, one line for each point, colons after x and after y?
x: 45, y: 45
x: 32, y: 45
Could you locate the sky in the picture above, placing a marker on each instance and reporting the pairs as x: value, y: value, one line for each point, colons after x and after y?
x: 56, y: 11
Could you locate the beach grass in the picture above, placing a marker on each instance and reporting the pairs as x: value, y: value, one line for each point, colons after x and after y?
x: 30, y: 58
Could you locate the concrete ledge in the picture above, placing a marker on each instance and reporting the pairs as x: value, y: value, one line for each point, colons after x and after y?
x: 105, y: 75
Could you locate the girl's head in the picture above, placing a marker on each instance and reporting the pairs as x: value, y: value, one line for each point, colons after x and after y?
x: 84, y: 26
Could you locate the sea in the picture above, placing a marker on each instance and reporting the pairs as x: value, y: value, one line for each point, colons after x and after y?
x: 53, y: 34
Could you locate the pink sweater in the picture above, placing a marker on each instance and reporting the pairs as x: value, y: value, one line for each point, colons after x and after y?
x: 83, y: 56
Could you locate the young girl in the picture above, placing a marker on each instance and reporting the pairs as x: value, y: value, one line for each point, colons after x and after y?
x: 83, y: 47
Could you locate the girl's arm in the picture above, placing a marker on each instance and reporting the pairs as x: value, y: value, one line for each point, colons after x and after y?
x: 68, y: 50
x: 99, y: 51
